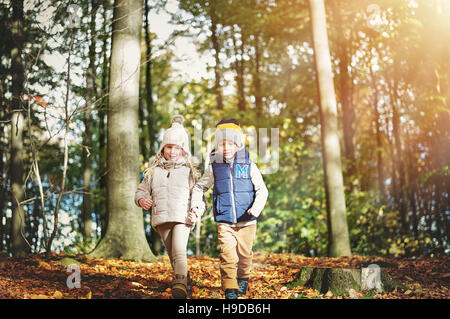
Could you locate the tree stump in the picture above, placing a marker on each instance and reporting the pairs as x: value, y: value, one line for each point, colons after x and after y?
x: 340, y: 280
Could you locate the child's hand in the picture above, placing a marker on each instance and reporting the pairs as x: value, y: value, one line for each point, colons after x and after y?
x: 249, y: 212
x: 192, y: 216
x: 145, y: 203
x: 195, y: 210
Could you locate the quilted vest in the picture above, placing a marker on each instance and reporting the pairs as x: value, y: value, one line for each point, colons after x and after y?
x: 233, y: 192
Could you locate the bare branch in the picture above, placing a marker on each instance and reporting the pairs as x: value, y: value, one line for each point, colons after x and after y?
x: 66, y: 148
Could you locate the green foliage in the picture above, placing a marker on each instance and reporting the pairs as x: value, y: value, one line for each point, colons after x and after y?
x: 375, y: 230
x: 294, y: 219
x: 80, y: 245
x: 404, y: 59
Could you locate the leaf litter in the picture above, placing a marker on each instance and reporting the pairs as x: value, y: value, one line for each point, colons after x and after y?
x: 46, y: 277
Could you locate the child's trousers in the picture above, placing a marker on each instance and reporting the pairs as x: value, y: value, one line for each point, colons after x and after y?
x: 175, y: 237
x: 235, y: 253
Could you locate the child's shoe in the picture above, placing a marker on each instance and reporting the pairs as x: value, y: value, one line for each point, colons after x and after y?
x: 230, y: 293
x: 243, y: 286
x: 179, y: 287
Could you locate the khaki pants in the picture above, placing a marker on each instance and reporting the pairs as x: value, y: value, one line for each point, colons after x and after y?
x: 235, y: 253
x: 175, y: 237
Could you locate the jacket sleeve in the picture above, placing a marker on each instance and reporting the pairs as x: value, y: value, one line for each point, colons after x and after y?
x: 202, y: 185
x: 261, y: 192
x: 144, y: 190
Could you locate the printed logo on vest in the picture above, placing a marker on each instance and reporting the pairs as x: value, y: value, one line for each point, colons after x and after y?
x: 241, y: 171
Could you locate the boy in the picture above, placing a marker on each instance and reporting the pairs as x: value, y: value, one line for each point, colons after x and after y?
x: 239, y: 197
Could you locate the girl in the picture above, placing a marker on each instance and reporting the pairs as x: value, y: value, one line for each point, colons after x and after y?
x: 166, y: 187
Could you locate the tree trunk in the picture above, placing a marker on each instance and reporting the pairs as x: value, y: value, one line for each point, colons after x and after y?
x: 345, y: 82
x: 148, y: 83
x: 257, y: 77
x: 34, y: 222
x: 141, y: 118
x: 66, y: 151
x: 19, y: 245
x: 412, y: 188
x: 101, y: 126
x: 379, y: 152
x: 341, y: 281
x: 401, y: 197
x: 3, y: 178
x: 216, y: 47
x: 125, y: 237
x: 87, y: 137
x: 239, y: 67
x: 156, y: 242
x: 340, y: 243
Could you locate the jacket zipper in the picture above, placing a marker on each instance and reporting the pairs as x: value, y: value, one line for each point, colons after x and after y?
x: 232, y: 193
x: 170, y: 170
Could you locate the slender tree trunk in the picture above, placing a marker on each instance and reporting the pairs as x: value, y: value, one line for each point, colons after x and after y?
x: 34, y: 222
x: 66, y: 149
x: 394, y: 177
x: 148, y: 83
x: 156, y: 242
x: 257, y: 77
x: 19, y: 245
x: 125, y: 237
x: 88, y: 123
x: 216, y: 47
x: 378, y: 132
x: 412, y: 189
x: 101, y: 124
x: 239, y: 67
x: 401, y: 198
x: 345, y: 83
x: 242, y: 104
x: 142, y: 138
x: 340, y: 242
x: 3, y: 178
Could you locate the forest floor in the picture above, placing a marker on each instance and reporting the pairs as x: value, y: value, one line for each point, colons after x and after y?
x: 46, y: 277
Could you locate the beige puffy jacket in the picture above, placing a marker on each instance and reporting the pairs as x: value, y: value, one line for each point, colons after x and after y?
x: 169, y: 186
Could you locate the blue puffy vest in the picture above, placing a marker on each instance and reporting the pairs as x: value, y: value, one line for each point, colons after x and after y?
x: 233, y: 192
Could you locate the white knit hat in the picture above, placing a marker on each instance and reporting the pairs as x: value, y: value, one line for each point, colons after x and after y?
x: 177, y: 135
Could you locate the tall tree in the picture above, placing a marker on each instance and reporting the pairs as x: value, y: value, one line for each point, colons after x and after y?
x: 87, y: 137
x: 257, y: 76
x: 378, y: 135
x: 339, y: 244
x: 378, y: 131
x: 396, y: 130
x: 19, y: 245
x: 215, y: 44
x: 102, y: 119
x: 345, y: 86
x: 124, y: 236
x: 148, y: 82
x: 3, y: 186
x: 4, y: 51
x: 239, y: 66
